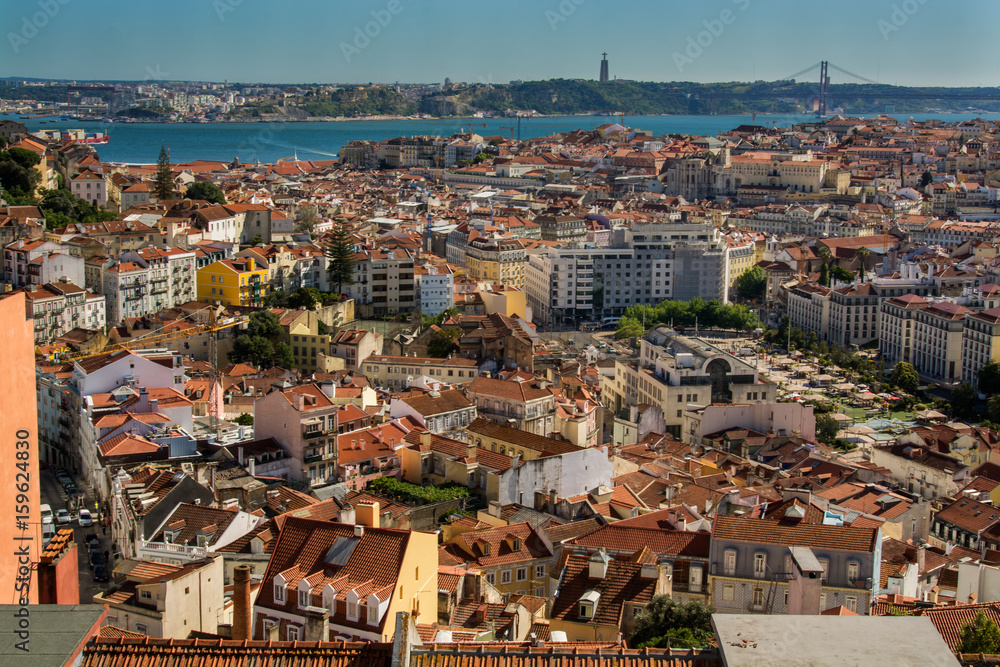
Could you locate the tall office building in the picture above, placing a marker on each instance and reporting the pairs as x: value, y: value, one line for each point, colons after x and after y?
x: 604, y: 67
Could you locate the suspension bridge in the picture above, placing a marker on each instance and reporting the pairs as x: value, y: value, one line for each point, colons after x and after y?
x: 846, y: 86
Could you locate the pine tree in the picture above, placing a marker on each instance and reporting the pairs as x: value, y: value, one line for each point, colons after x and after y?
x: 339, y: 250
x: 163, y: 182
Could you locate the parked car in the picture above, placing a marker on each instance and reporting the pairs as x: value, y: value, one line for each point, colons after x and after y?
x: 96, y: 558
x: 45, y: 511
x: 48, y: 529
x: 84, y: 518
x: 62, y: 516
x: 100, y: 573
x: 91, y: 538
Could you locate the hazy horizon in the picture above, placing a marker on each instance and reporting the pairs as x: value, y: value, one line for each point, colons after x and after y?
x: 410, y: 41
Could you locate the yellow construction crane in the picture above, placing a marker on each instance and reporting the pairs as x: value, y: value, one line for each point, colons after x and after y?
x: 152, y: 340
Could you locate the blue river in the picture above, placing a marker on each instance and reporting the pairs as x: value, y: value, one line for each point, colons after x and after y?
x: 139, y: 143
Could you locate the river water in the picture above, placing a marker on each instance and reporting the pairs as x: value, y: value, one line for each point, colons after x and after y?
x: 140, y: 142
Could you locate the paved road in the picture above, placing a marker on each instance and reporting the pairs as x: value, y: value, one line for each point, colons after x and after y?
x: 53, y: 494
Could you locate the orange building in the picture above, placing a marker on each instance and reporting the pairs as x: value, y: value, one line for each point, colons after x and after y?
x: 20, y: 526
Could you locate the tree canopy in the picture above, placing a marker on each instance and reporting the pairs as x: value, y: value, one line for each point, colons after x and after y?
x: 443, y: 343
x: 260, y: 344
x: 904, y: 376
x: 752, y: 284
x: 206, y: 190
x: 963, y: 401
x: 981, y: 635
x: 668, y: 622
x: 989, y: 378
x: 705, y: 313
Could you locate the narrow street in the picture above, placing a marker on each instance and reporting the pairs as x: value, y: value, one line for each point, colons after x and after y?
x: 52, y: 493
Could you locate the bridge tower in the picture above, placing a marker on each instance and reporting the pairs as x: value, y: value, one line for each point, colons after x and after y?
x: 824, y: 84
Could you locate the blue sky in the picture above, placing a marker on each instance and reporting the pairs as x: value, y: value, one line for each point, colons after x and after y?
x: 906, y: 42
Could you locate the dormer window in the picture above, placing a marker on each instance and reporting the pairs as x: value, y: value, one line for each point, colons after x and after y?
x: 304, y: 598
x: 279, y: 588
x: 515, y: 544
x: 373, y: 611
x: 330, y: 599
x: 353, y: 606
x: 588, y: 603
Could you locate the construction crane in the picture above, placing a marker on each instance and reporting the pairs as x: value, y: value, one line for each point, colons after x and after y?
x: 472, y: 125
x: 509, y: 127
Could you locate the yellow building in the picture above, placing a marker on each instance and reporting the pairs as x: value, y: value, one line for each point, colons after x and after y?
x: 742, y: 256
x: 515, y: 559
x: 506, y: 300
x: 233, y: 282
x: 498, y: 260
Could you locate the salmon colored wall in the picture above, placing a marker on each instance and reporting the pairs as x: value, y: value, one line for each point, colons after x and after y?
x: 20, y: 529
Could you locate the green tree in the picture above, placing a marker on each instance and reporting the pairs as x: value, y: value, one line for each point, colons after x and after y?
x: 862, y: 254
x: 629, y: 327
x: 989, y: 378
x: 668, y: 622
x: 926, y: 178
x: 304, y: 297
x: 283, y: 355
x: 257, y: 240
x: 308, y: 219
x: 905, y: 377
x: 752, y: 283
x: 163, y: 181
x: 255, y: 350
x: 22, y: 156
x: 206, y: 190
x: 266, y: 324
x: 963, y: 401
x: 339, y: 249
x: 824, y: 275
x: 841, y: 274
x: 981, y: 635
x: 826, y: 429
x: 244, y: 419
x: 443, y: 343
x: 993, y: 410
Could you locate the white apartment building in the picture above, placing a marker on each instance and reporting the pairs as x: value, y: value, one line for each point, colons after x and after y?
x: 36, y: 262
x: 60, y: 307
x: 809, y: 308
x: 437, y: 288
x: 383, y: 281
x: 126, y: 291
x: 559, y: 284
x: 172, y: 278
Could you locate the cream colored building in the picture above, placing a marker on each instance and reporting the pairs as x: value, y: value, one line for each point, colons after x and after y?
x: 395, y: 373
x: 980, y: 343
x: 937, y: 341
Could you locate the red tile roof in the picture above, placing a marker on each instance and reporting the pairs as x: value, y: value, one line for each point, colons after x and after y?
x: 846, y: 538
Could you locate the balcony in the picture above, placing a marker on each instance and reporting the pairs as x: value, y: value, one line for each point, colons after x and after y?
x: 312, y: 458
x: 165, y: 550
x: 312, y: 435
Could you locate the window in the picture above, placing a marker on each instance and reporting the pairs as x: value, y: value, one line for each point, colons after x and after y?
x: 293, y: 633
x: 145, y: 595
x: 729, y: 566
x: 304, y: 598
x: 758, y: 597
x: 539, y: 571
x: 372, y: 613
x: 505, y: 577
x: 825, y: 562
x: 352, y: 610
x: 853, y: 570
x: 491, y: 578
x: 728, y: 592
x: 586, y: 610
x: 140, y: 627
x: 851, y: 602
x: 759, y: 565
x: 516, y: 544
x: 521, y: 574
x: 279, y: 592
x: 822, y: 601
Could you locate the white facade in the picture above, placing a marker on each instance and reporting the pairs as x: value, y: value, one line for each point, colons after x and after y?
x: 437, y: 290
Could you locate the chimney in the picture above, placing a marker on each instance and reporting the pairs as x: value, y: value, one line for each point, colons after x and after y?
x: 241, y: 602
x: 553, y: 501
x: 252, y: 466
x: 317, y: 625
x: 425, y: 438
x: 972, y: 598
x: 298, y: 401
x: 921, y: 556
x: 367, y: 514
x: 272, y: 633
x: 805, y: 586
x: 933, y: 595
x: 597, y: 565
x: 239, y: 455
x: 359, y: 530
x: 470, y: 450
